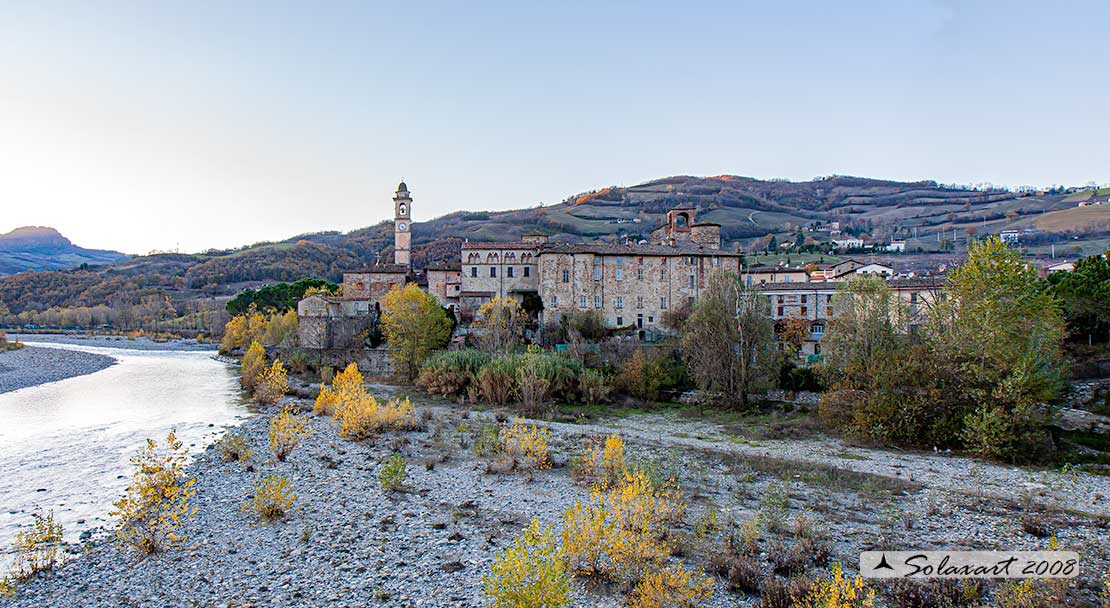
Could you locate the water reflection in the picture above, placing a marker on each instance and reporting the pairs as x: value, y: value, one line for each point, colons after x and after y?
x: 66, y: 445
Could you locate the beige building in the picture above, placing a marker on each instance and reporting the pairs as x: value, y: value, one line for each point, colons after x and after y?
x: 499, y: 269
x: 445, y: 284
x: 813, y: 302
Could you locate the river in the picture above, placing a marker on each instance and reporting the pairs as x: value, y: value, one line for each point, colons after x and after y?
x: 66, y: 446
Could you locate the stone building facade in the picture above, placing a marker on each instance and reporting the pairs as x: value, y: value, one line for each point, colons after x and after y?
x: 445, y: 284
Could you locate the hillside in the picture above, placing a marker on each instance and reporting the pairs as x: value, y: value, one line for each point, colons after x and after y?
x: 932, y: 218
x: 41, y: 248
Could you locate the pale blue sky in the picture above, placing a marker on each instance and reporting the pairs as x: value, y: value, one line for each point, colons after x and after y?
x: 155, y: 124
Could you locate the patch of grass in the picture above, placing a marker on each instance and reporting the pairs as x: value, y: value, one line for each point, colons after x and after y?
x: 850, y: 456
x: 827, y: 476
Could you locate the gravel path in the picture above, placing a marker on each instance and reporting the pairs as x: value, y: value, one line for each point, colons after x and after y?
x: 113, y: 342
x: 34, y: 365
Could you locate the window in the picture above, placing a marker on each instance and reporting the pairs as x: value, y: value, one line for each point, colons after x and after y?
x: 527, y: 271
x: 509, y: 272
x: 663, y: 303
x: 780, y: 311
x: 639, y: 274
x: 817, y: 329
x: 692, y: 279
x: 597, y: 270
x: 663, y: 273
x: 620, y: 273
x: 474, y: 271
x: 716, y: 261
x: 828, y: 299
x: 803, y: 311
x: 582, y: 302
x: 554, y: 301
x: 620, y: 304
x: 639, y: 301
x: 566, y: 276
x: 804, y: 298
x: 620, y: 261
x: 493, y: 271
x: 620, y: 321
x: 913, y: 298
x: 597, y: 301
x: 780, y: 299
x: 651, y: 319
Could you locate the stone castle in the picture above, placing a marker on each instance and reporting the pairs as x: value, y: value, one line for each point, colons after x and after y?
x: 630, y: 284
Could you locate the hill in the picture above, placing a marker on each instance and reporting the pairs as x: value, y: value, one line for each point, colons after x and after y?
x: 41, y: 248
x: 931, y: 217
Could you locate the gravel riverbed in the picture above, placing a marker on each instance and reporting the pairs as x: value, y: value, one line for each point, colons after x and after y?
x: 108, y: 341
x: 349, y: 544
x: 34, y: 365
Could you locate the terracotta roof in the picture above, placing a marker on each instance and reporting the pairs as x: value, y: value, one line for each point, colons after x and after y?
x: 480, y: 294
x: 922, y: 282
x: 446, y: 266
x: 496, y: 245
x: 381, y: 268
x: 636, y: 249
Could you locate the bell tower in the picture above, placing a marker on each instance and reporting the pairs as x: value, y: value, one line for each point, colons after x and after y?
x: 402, y: 226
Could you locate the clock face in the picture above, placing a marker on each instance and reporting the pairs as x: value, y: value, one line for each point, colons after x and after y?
x: 401, y: 226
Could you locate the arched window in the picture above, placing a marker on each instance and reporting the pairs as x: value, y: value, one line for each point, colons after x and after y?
x: 492, y: 258
x: 401, y: 209
x: 681, y: 220
x: 473, y: 258
x: 510, y: 258
x: 526, y: 258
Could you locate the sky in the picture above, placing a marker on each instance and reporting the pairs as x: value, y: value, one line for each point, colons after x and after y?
x: 163, y: 125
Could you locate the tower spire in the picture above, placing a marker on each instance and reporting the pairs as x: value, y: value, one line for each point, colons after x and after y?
x: 402, y: 225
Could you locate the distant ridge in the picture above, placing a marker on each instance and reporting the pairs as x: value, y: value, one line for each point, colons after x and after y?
x: 44, y: 248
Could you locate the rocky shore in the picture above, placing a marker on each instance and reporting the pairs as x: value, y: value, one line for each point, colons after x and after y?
x: 34, y: 365
x: 349, y: 544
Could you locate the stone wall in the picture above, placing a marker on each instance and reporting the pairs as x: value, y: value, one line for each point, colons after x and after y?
x: 323, y: 333
x: 373, y: 363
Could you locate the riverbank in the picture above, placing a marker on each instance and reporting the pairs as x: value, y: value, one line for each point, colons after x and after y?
x: 35, y: 365
x: 105, y: 341
x: 348, y: 543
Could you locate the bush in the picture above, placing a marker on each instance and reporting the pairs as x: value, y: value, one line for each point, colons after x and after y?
x: 365, y: 417
x: 531, y: 572
x: 158, y: 500
x: 252, y: 365
x: 602, y: 464
x: 641, y: 376
x: 671, y: 587
x: 298, y: 362
x: 37, y: 547
x: 838, y: 591
x: 594, y: 386
x: 774, y: 592
x: 327, y: 374
x: 524, y: 446
x: 273, y: 498
x: 281, y: 328
x: 450, y: 373
x: 286, y: 431
x: 233, y: 446
x: 393, y: 474
x: 932, y: 593
x: 619, y: 534
x: 346, y: 387
x: 497, y: 380
x: 534, y: 381
x: 774, y: 506
x: 273, y: 383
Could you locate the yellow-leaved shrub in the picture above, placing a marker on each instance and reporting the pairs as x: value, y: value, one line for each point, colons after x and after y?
x: 252, y: 365
x: 233, y: 446
x: 158, y: 500
x: 532, y: 572
x: 671, y: 587
x: 286, y: 431
x: 272, y: 384
x: 618, y: 533
x: 838, y: 591
x: 273, y: 498
x: 37, y: 547
x: 525, y: 445
x: 602, y: 464
x: 346, y: 386
x: 365, y: 417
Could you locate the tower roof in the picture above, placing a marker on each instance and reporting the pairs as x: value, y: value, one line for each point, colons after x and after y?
x: 402, y: 187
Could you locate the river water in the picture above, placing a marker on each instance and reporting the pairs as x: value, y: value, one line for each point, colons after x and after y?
x: 66, y: 446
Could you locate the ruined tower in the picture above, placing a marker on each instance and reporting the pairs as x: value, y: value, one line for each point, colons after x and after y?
x: 402, y: 226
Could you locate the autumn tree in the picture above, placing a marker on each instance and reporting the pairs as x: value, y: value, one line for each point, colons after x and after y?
x: 502, y: 322
x: 864, y: 325
x: 728, y: 340
x: 414, y: 326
